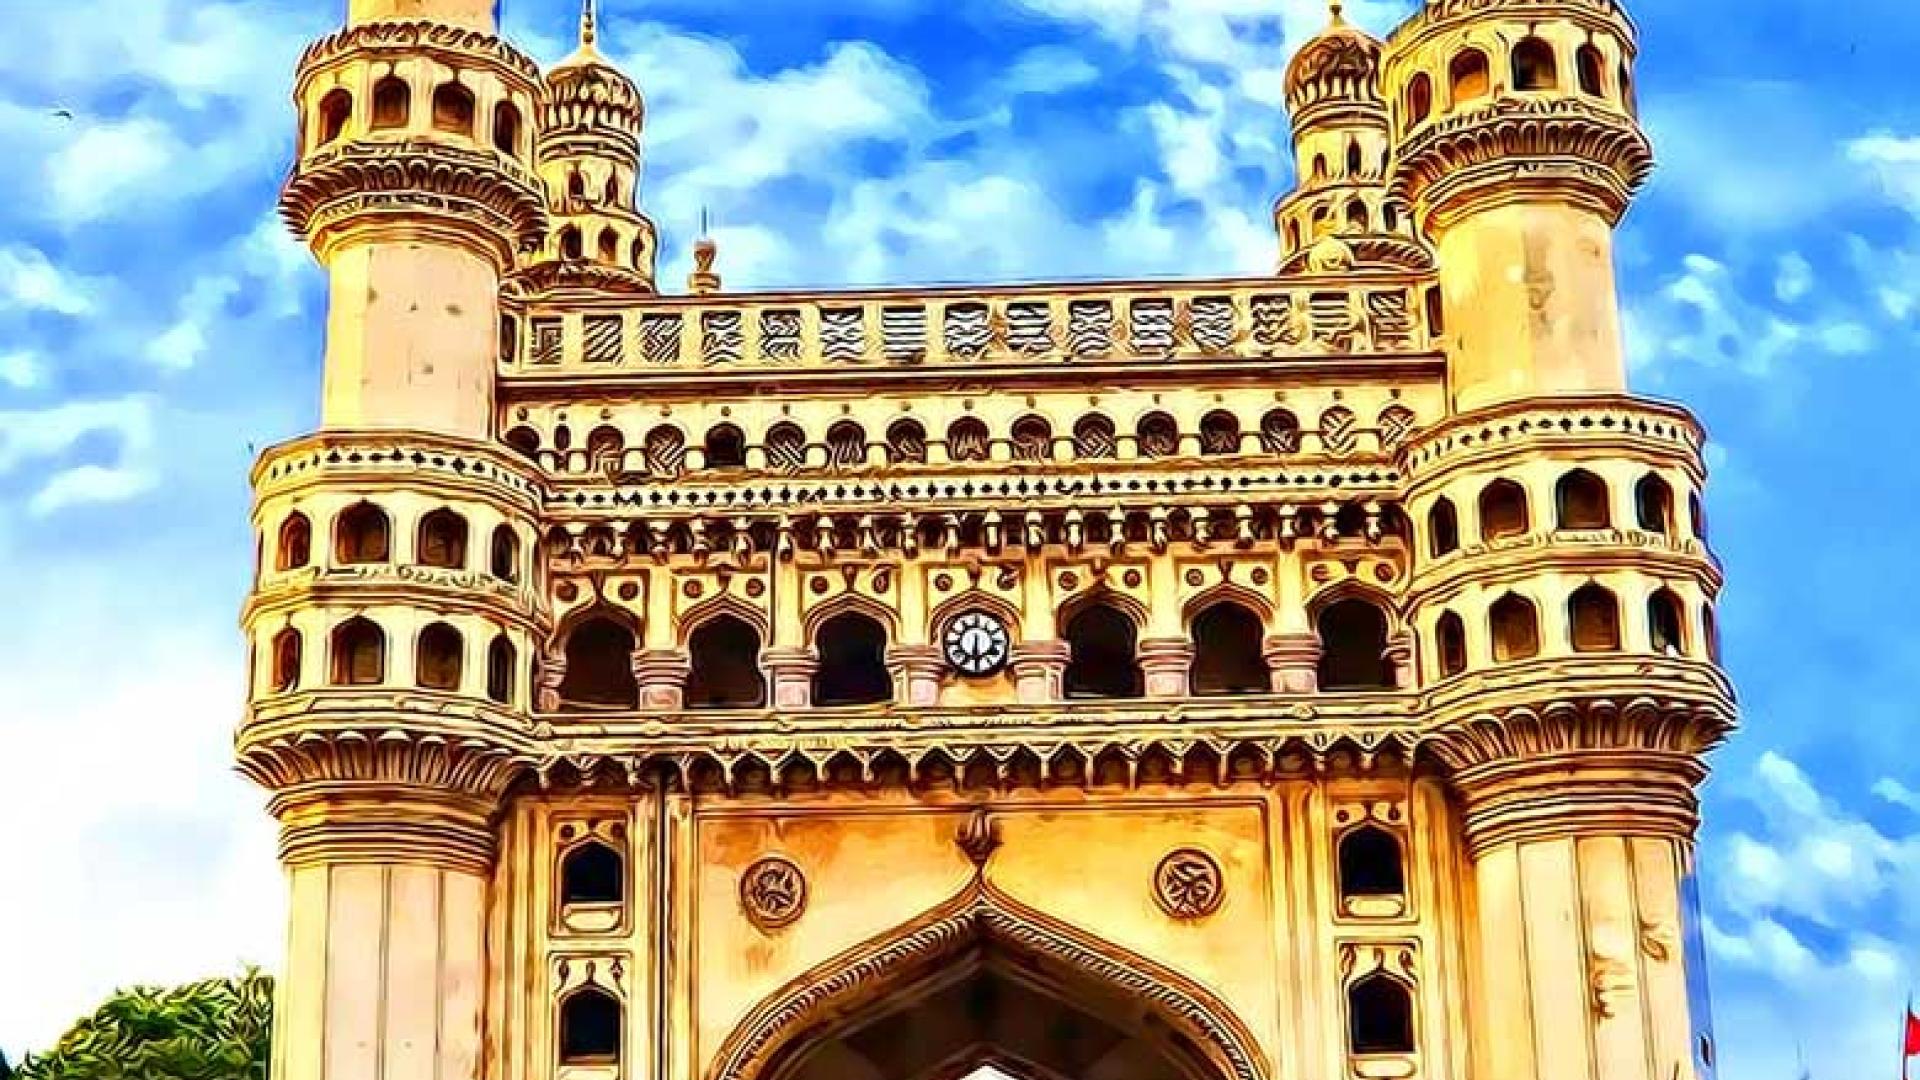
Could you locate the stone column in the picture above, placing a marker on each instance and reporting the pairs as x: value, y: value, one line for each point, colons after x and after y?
x: 662, y: 676
x: 551, y: 676
x: 1294, y: 661
x: 1399, y: 657
x: 916, y: 671
x: 1165, y: 662
x: 790, y: 675
x: 1579, y: 828
x: 1039, y: 669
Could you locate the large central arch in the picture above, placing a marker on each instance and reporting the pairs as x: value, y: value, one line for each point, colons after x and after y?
x: 985, y: 980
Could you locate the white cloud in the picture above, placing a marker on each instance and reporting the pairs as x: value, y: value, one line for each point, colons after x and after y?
x: 1897, y: 793
x: 30, y: 281
x: 1793, y: 278
x: 1894, y: 161
x: 35, y: 436
x: 21, y: 370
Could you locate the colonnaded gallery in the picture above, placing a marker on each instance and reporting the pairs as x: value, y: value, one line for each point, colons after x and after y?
x: 1287, y: 677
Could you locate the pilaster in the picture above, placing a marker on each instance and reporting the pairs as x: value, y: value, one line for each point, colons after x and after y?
x: 1166, y: 663
x: 1038, y: 669
x: 916, y: 671
x: 790, y: 672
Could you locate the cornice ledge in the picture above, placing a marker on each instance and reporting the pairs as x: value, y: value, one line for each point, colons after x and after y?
x: 1572, y: 726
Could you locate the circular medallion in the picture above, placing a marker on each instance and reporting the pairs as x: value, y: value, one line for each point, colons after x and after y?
x: 1188, y: 884
x: 977, y: 644
x: 773, y: 892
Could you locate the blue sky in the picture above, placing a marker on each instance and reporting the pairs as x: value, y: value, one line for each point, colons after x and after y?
x: 156, y: 327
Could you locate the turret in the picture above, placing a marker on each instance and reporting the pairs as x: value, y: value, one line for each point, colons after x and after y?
x: 1339, y: 214
x: 1517, y: 147
x: 592, y: 116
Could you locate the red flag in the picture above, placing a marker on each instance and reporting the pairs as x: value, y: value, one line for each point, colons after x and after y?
x: 1913, y: 1033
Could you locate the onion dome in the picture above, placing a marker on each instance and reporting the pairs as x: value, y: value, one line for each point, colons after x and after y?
x: 591, y: 106
x: 1338, y: 68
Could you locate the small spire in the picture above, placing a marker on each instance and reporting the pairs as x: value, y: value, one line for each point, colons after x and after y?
x: 1337, y: 8
x: 589, y: 24
x: 704, y: 279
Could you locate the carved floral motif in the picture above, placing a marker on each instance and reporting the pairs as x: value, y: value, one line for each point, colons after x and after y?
x: 773, y: 892
x: 1188, y: 884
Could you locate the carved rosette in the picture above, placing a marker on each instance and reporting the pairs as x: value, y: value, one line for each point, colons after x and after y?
x: 773, y: 893
x: 1188, y: 884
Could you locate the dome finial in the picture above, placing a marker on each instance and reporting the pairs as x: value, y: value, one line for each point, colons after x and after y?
x: 704, y: 280
x: 589, y: 24
x: 1337, y: 8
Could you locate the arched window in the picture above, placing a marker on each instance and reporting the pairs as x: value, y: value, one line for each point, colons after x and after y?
x: 286, y: 660
x: 967, y: 440
x: 639, y: 253
x: 571, y: 246
x: 1666, y: 625
x: 853, y: 662
x: 453, y: 109
x: 1580, y: 500
x: 1159, y: 436
x: 1419, y: 99
x: 1436, y: 304
x: 526, y: 442
x: 786, y: 447
x: 443, y: 540
x: 1516, y: 629
x: 1470, y: 76
x: 726, y: 666
x: 1353, y: 158
x: 1032, y: 439
x: 1653, y: 505
x: 1503, y: 510
x: 1280, y: 432
x: 600, y: 666
x: 1592, y: 67
x: 1534, y: 66
x: 1094, y: 438
x: 847, y: 444
x: 335, y: 110
x: 1594, y: 615
x: 726, y: 447
x: 1710, y: 629
x: 1450, y: 636
x: 1319, y: 166
x: 1379, y: 1016
x: 439, y: 658
x: 506, y: 128
x: 1220, y: 433
x: 576, y: 186
x: 295, y: 549
x: 359, y: 654
x: 360, y: 536
x: 1102, y: 657
x: 1443, y: 528
x: 1627, y: 96
x: 592, y: 873
x: 1389, y: 217
x: 1370, y: 864
x: 1228, y: 652
x: 590, y: 1028
x: 501, y: 664
x: 504, y: 557
x: 392, y: 103
x: 1353, y: 647
x: 1320, y: 217
x: 1357, y: 218
x: 1293, y: 235
x: 907, y: 443
x: 609, y: 246
x: 1697, y: 511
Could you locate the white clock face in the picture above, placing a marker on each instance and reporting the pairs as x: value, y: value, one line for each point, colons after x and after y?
x: 977, y: 644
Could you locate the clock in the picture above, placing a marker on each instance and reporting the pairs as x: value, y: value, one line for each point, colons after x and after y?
x: 977, y: 644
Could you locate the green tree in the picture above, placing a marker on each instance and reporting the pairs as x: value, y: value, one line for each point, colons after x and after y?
x: 213, y: 1030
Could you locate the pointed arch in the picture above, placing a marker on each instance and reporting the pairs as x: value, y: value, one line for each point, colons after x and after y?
x: 980, y: 922
x: 852, y: 651
x: 1103, y: 646
x: 1469, y: 77
x: 506, y: 128
x: 336, y: 109
x: 453, y: 106
x: 295, y: 549
x: 1581, y: 502
x: 392, y: 102
x: 1534, y: 65
x: 599, y: 644
x: 1229, y: 651
x: 723, y: 650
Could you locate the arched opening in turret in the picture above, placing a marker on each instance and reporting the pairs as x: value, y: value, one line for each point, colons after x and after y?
x: 1697, y: 514
x: 1158, y: 436
x: 503, y: 556
x: 502, y: 662
x: 852, y: 648
x: 438, y: 659
x: 847, y: 445
x: 590, y: 1024
x: 1593, y: 613
x: 1581, y: 501
x: 1353, y: 647
x: 1354, y: 167
x: 1653, y: 505
x: 1293, y: 235
x: 361, y: 536
x: 609, y: 246
x: 1436, y: 305
x: 1358, y: 219
x: 1503, y: 511
x: 1094, y: 438
x: 453, y: 109
x: 1443, y: 528
x: 335, y: 110
x: 295, y: 548
x: 600, y: 667
x: 1591, y: 68
x: 592, y: 873
x: 1102, y: 654
x: 1419, y: 99
x: 392, y: 103
x: 1710, y: 629
x: 1319, y: 166
x: 1319, y: 219
x: 906, y: 443
x: 443, y: 540
x: 1379, y: 1016
x: 1450, y: 638
x: 726, y: 666
x: 1280, y: 432
x: 726, y: 447
x: 611, y: 194
x: 1370, y: 864
x: 639, y: 253
x: 526, y: 442
x: 572, y: 247
x: 1470, y: 77
x: 1627, y: 95
x: 576, y: 186
x: 1534, y: 65
x: 1228, y: 653
x: 359, y: 653
x: 968, y: 440
x: 286, y: 660
x: 1032, y: 439
x: 506, y: 129
x: 1219, y: 433
x: 1666, y: 625
x: 1515, y: 625
x: 1389, y: 217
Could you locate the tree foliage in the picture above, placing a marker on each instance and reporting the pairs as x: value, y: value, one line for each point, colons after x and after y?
x: 213, y: 1030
